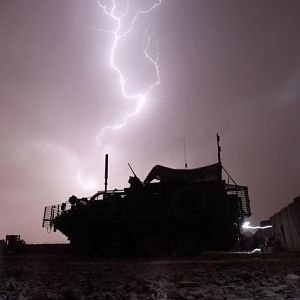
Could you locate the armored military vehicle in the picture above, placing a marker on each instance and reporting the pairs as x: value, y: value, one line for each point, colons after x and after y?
x: 172, y: 212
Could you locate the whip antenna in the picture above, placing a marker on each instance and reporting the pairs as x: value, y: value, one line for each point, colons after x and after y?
x: 184, y: 149
x: 106, y: 172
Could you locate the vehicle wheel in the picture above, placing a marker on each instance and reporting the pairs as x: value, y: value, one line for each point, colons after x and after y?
x: 152, y: 246
x: 186, y: 245
x: 82, y: 244
x: 229, y: 237
x: 118, y: 245
x: 100, y: 247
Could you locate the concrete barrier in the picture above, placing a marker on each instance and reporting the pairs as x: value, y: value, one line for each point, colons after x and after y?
x: 286, y: 225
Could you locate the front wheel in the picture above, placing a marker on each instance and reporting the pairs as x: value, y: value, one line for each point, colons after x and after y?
x: 186, y: 245
x: 82, y: 244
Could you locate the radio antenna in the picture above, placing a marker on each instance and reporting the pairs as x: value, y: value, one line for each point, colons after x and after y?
x: 219, y: 148
x: 106, y: 173
x: 219, y: 158
x: 184, y: 149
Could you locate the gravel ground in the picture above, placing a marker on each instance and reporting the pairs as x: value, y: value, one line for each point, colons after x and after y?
x: 259, y: 276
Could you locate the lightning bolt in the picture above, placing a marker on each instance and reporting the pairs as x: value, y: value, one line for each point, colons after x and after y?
x: 118, y: 34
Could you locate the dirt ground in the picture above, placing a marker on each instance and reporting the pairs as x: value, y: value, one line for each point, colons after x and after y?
x: 210, y: 276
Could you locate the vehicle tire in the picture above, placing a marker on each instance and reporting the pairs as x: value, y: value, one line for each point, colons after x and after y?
x: 186, y: 245
x: 82, y: 244
x: 118, y: 245
x: 152, y: 246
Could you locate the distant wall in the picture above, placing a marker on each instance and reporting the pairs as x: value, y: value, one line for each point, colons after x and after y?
x: 286, y: 225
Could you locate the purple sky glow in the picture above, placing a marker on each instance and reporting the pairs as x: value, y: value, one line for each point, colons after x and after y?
x: 231, y: 67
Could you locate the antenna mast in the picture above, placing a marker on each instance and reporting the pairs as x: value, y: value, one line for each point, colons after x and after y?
x: 106, y: 173
x: 219, y: 148
x: 219, y: 157
x: 184, y: 148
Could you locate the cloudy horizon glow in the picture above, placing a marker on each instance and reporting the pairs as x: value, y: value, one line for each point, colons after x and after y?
x: 228, y: 67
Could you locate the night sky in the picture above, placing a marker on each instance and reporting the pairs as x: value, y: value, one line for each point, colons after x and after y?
x: 231, y: 67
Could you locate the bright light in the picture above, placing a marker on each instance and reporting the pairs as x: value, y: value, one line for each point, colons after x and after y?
x: 118, y: 34
x: 88, y: 184
x: 247, y: 225
x: 256, y: 250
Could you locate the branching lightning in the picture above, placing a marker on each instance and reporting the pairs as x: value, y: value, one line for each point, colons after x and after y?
x: 118, y: 34
x: 247, y: 225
